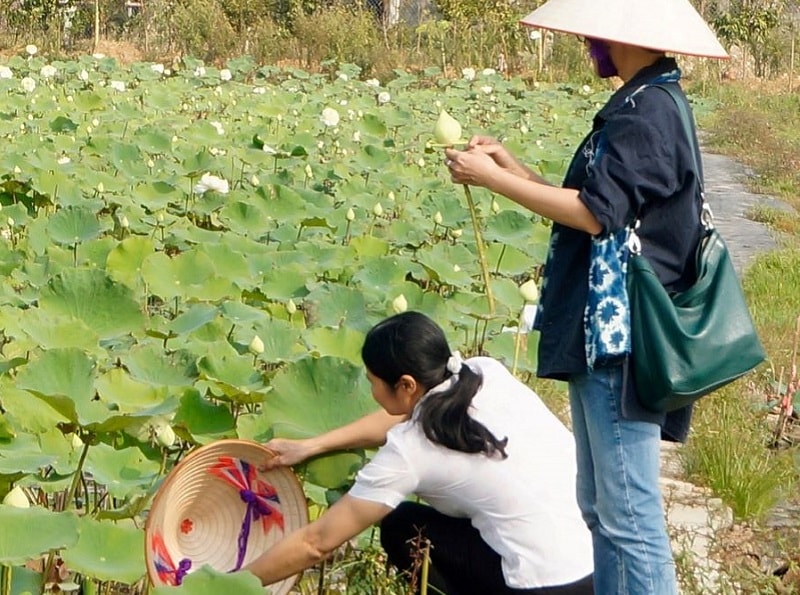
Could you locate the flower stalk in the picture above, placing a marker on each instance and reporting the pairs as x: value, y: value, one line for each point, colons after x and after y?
x: 481, y: 248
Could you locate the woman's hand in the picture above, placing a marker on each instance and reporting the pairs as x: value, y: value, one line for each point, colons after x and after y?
x: 289, y: 452
x: 472, y: 166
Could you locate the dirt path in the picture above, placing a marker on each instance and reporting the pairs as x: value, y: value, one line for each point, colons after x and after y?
x: 693, y: 514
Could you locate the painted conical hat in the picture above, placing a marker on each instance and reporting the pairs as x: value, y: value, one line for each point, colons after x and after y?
x: 220, y: 507
x: 667, y: 25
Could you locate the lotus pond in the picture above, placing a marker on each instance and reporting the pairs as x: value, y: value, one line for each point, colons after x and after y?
x: 192, y: 253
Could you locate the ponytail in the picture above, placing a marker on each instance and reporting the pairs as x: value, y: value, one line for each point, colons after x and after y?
x: 413, y: 344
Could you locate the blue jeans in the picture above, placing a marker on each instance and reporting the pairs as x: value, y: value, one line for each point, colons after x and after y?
x: 618, y: 491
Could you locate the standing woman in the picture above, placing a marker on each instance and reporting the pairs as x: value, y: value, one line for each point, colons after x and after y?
x: 495, y: 467
x: 636, y: 162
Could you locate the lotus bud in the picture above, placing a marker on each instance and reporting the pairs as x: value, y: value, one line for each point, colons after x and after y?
x: 456, y: 268
x: 447, y: 130
x: 160, y: 217
x: 390, y: 196
x: 456, y: 233
x: 377, y: 210
x: 399, y: 304
x: 100, y: 187
x: 291, y: 307
x: 17, y: 498
x: 529, y: 291
x: 495, y: 207
x: 10, y: 222
x: 76, y: 442
x: 421, y: 162
x: 256, y: 346
x: 124, y: 223
x: 255, y: 181
x: 437, y: 218
x: 95, y: 122
x: 351, y: 214
x: 309, y: 172
x: 151, y: 164
x: 17, y: 170
x: 165, y: 435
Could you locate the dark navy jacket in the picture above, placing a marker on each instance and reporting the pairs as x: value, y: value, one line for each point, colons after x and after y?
x: 646, y: 170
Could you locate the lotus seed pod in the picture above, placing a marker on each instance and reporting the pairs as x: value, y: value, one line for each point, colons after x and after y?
x: 447, y: 130
x: 165, y: 435
x: 256, y: 346
x: 529, y: 291
x: 377, y: 210
x: 351, y: 214
x: 17, y: 498
x: 291, y: 307
x: 437, y: 218
x: 399, y: 304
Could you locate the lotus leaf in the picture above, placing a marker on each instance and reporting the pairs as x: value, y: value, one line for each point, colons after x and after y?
x: 52, y: 330
x: 204, y: 420
x: 124, y: 263
x: 27, y: 413
x: 19, y: 544
x: 123, y: 472
x: 107, y: 551
x: 97, y: 300
x: 207, y: 581
x: 149, y: 363
x: 128, y: 395
x: 344, y: 343
x: 73, y: 225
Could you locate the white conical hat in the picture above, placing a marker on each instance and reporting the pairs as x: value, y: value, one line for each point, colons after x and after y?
x: 668, y: 25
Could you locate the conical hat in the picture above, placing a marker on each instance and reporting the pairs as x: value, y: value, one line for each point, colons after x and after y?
x: 201, y: 514
x: 667, y: 25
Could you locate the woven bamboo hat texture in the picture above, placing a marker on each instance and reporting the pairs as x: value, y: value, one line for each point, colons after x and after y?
x: 219, y: 507
x: 666, y: 25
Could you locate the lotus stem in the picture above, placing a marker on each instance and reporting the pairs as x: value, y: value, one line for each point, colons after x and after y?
x: 5, y: 579
x: 481, y: 249
x: 73, y: 488
x: 426, y: 562
x: 517, y: 343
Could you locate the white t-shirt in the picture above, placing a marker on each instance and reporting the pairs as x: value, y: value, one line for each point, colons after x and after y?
x: 524, y: 506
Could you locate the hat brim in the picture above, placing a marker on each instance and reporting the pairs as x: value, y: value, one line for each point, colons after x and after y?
x: 666, y: 25
x: 198, y: 516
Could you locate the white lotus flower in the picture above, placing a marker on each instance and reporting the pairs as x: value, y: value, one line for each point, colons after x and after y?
x: 535, y: 35
x: 269, y: 150
x: 63, y: 160
x: 211, y: 182
x: 117, y: 85
x: 31, y: 49
x: 372, y: 83
x: 384, y: 97
x: 48, y: 71
x: 343, y: 77
x: 356, y: 137
x: 28, y: 84
x: 200, y: 71
x: 157, y: 68
x: 83, y: 75
x: 17, y: 498
x: 486, y: 89
x: 6, y: 73
x: 399, y: 304
x: 218, y: 127
x: 259, y: 90
x: 586, y: 89
x: 225, y: 74
x: 330, y: 117
x: 489, y: 72
x: 468, y: 73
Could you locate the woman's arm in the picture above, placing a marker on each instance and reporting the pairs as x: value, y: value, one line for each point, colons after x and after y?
x: 366, y: 432
x: 477, y: 168
x: 315, y: 542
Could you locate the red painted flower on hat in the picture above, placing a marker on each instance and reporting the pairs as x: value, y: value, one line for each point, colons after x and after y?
x: 187, y: 526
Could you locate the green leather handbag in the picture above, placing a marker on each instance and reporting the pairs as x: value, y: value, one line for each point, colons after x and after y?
x: 688, y: 344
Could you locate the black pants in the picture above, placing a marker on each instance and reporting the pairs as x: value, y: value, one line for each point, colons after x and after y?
x: 461, y: 562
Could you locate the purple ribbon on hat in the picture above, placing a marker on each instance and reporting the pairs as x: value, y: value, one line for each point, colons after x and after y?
x: 259, y: 496
x: 165, y: 567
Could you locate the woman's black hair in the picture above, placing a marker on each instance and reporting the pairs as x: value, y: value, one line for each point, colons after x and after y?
x: 413, y: 344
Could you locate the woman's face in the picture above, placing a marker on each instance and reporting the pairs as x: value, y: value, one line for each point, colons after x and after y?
x: 600, y: 54
x: 385, y: 395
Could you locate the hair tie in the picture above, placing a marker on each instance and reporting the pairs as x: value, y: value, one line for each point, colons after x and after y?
x: 454, y: 362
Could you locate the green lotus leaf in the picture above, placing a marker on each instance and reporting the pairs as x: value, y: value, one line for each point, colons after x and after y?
x: 204, y: 420
x: 228, y: 262
x: 312, y: 396
x: 73, y: 225
x: 239, y: 313
x: 157, y: 195
x: 94, y: 253
x: 452, y: 265
x: 6, y: 428
x: 192, y: 319
x: 123, y: 472
x: 150, y: 363
x: 64, y: 378
x: 379, y: 275
x: 153, y: 140
x: 344, y: 343
x: 372, y: 124
x: 52, y: 330
x: 226, y: 366
x: 333, y: 305
x: 27, y: 412
x: 284, y: 284
x: 92, y: 297
x: 371, y: 157
x: 509, y: 227
x: 179, y: 276
x: 245, y: 218
x: 128, y: 159
x: 26, y: 581
x: 20, y: 544
x: 62, y: 124
x: 512, y: 261
x: 368, y: 246
x: 282, y: 341
x: 126, y: 394
x: 207, y: 581
x: 124, y: 263
x: 501, y: 346
x: 107, y: 551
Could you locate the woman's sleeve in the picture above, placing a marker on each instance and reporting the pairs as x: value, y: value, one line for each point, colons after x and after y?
x: 637, y: 161
x: 389, y: 477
